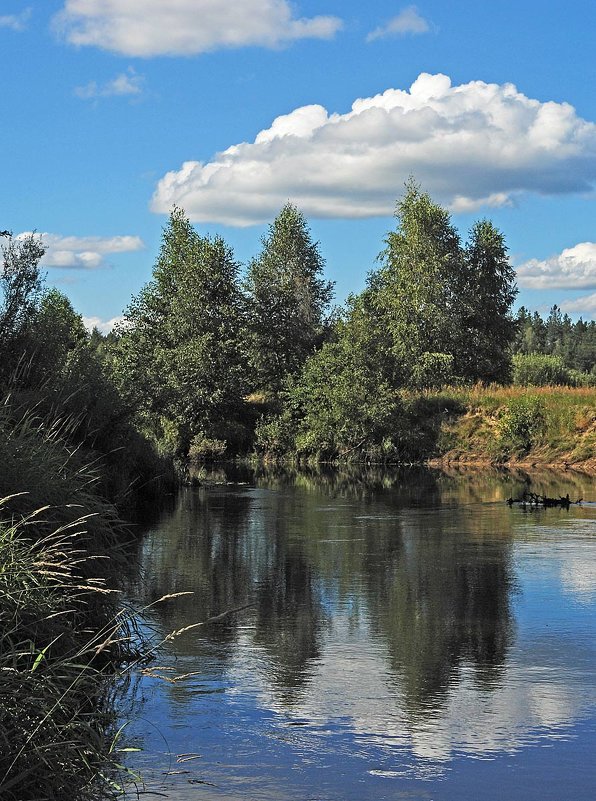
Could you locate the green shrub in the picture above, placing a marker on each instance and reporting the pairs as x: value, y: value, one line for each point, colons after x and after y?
x: 520, y: 424
x: 432, y: 371
x: 537, y: 370
x: 579, y: 379
x: 275, y: 435
x: 206, y: 449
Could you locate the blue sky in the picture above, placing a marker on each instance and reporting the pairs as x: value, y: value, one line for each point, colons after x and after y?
x: 114, y: 110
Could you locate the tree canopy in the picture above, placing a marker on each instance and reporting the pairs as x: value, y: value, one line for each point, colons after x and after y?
x: 288, y: 300
x: 179, y: 352
x: 437, y: 296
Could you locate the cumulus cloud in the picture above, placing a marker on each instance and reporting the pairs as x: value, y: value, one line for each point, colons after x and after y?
x: 128, y: 83
x: 471, y: 145
x: 574, y: 268
x: 84, y: 253
x: 584, y: 305
x: 105, y: 326
x: 16, y: 22
x: 186, y: 27
x: 406, y: 22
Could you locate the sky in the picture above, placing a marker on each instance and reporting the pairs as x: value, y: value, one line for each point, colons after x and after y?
x: 114, y: 111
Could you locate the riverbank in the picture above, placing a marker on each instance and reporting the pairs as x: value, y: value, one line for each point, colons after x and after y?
x: 495, y: 425
x: 64, y: 632
x: 63, y: 636
x: 514, y: 426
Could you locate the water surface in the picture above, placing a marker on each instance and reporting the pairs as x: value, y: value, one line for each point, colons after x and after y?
x: 388, y: 636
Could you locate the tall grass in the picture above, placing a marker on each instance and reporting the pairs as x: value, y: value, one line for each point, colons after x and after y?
x: 61, y: 636
x: 40, y: 469
x: 63, y: 629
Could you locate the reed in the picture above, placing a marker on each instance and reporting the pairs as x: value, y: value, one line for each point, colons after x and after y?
x: 64, y: 631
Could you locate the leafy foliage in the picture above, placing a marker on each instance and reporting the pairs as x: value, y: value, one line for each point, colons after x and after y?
x: 288, y: 301
x: 538, y: 370
x: 432, y: 371
x: 437, y: 296
x: 487, y: 328
x: 435, y: 312
x: 573, y: 343
x: 179, y: 354
x: 520, y: 423
x: 21, y: 286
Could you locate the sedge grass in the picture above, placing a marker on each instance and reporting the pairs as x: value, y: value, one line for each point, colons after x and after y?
x: 56, y: 661
x: 63, y: 630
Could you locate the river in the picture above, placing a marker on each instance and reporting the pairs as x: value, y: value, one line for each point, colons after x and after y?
x: 380, y: 636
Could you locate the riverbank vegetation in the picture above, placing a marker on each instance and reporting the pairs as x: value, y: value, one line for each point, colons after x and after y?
x: 552, y: 425
x: 62, y: 636
x: 71, y: 464
x: 212, y: 361
x: 221, y: 364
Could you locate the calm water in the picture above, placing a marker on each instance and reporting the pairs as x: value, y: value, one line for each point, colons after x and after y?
x: 404, y: 636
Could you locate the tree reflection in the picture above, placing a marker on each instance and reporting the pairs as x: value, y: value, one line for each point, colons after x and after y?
x: 406, y: 557
x: 201, y: 553
x: 439, y: 602
x: 289, y: 620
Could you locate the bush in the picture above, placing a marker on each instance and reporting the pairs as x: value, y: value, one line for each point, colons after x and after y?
x: 520, y: 424
x: 275, y: 435
x: 579, y: 379
x: 204, y: 449
x: 537, y: 370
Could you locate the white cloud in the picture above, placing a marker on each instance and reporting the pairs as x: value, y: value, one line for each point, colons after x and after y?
x: 186, y: 27
x: 16, y: 22
x: 406, y: 22
x: 471, y: 145
x: 83, y: 253
x: 128, y: 83
x: 585, y: 304
x: 574, y: 268
x: 105, y: 326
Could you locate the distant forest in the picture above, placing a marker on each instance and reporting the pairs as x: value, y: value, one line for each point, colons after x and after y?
x: 557, y: 335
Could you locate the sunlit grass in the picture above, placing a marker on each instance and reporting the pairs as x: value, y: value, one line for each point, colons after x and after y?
x: 568, y: 435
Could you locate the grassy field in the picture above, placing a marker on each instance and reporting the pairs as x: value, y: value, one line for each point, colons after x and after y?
x: 515, y: 425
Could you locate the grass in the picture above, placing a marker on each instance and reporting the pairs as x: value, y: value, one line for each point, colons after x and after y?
x: 41, y: 469
x: 63, y: 630
x: 567, y: 434
x: 62, y: 636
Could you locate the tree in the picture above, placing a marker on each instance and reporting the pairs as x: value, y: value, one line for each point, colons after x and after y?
x: 439, y: 299
x: 179, y: 349
x: 488, y: 328
x: 21, y: 287
x: 288, y: 300
x: 417, y: 289
x: 55, y: 331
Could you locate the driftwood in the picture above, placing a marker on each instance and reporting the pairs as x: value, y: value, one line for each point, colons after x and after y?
x: 532, y: 499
